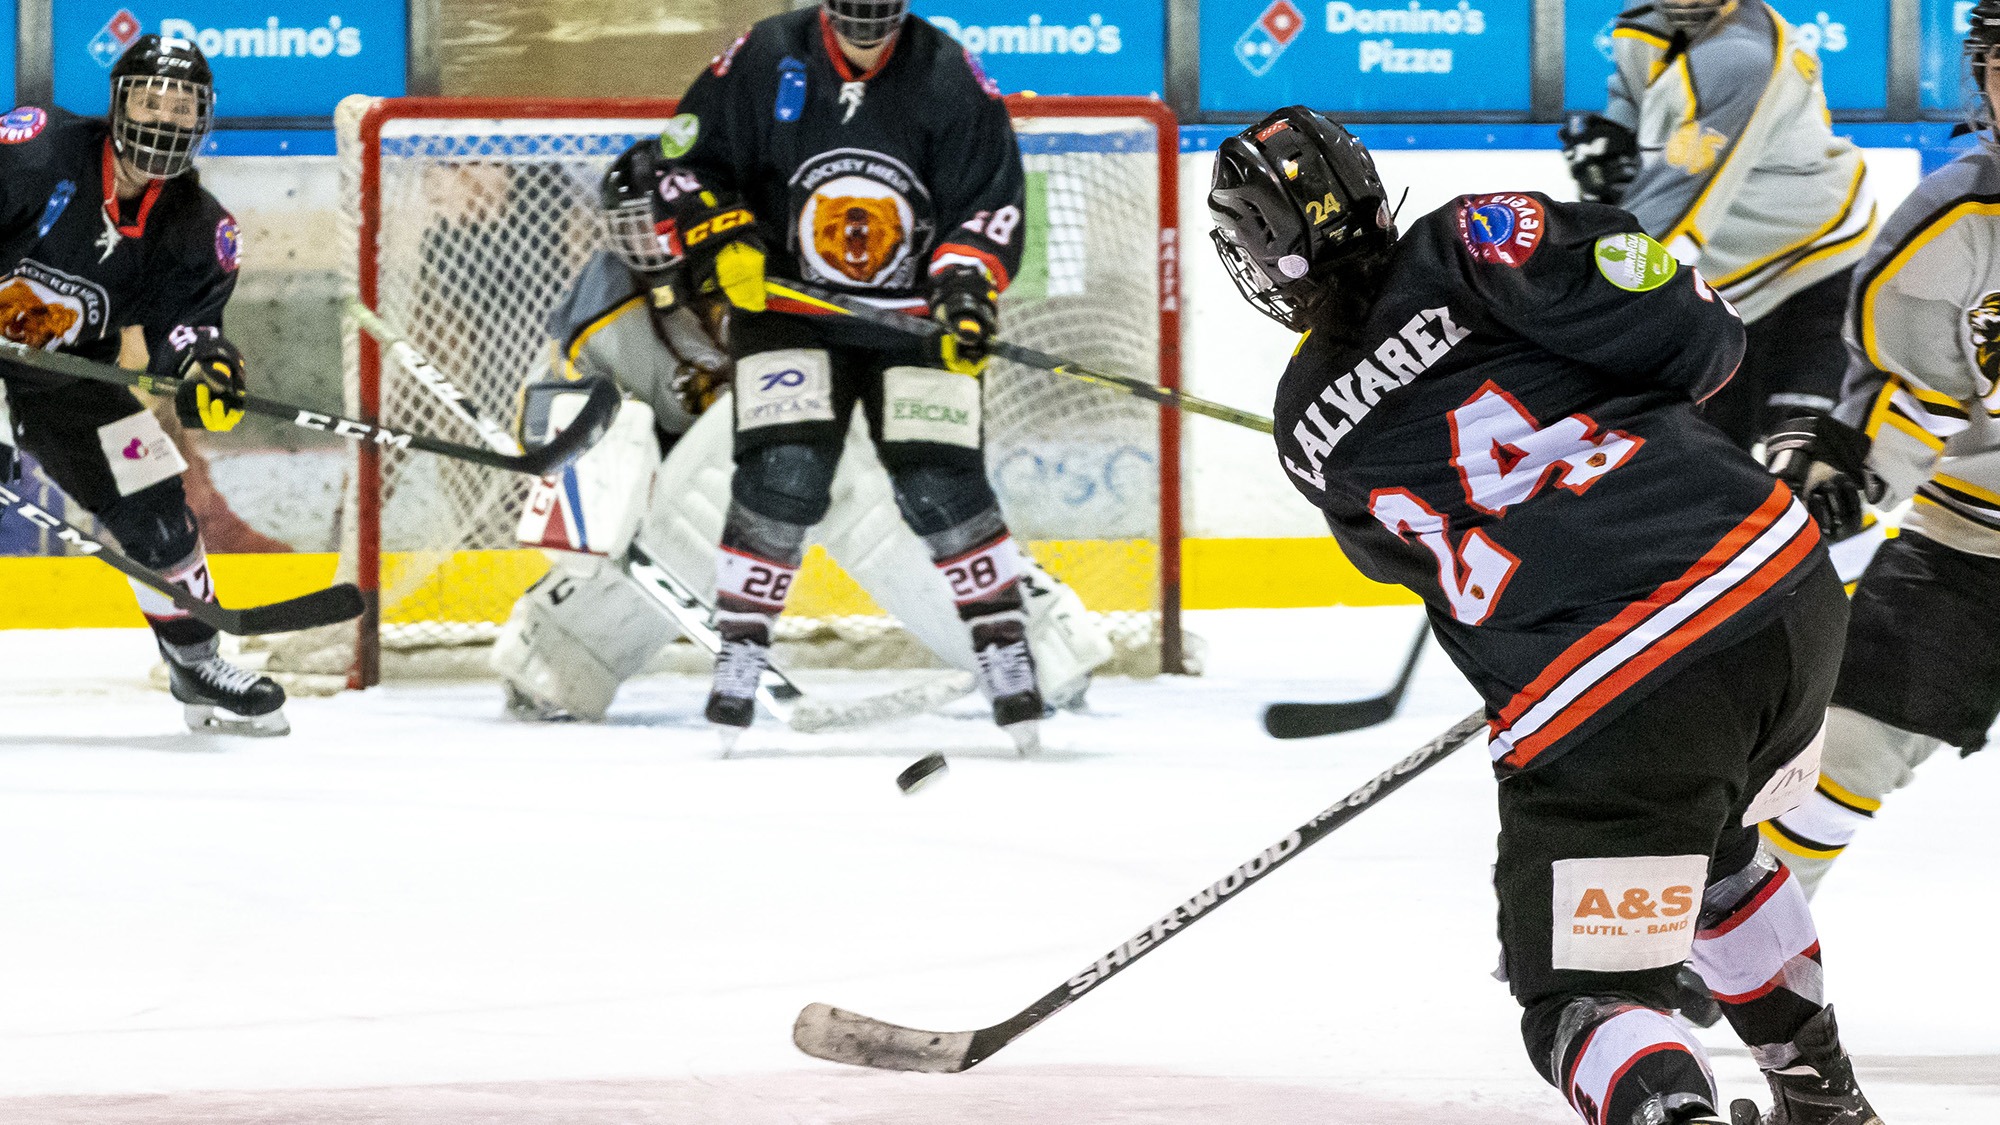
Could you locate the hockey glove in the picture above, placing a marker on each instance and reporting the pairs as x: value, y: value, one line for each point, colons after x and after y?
x: 723, y: 247
x: 211, y: 373
x: 1603, y: 156
x: 964, y: 301
x: 701, y: 367
x: 1824, y: 463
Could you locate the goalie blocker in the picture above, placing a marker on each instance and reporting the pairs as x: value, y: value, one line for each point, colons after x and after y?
x: 587, y: 626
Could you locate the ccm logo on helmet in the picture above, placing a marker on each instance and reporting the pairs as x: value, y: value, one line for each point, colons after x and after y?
x: 728, y: 220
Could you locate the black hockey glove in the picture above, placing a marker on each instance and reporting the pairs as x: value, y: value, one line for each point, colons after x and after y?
x: 1603, y: 156
x: 211, y: 373
x: 1824, y: 463
x: 964, y: 301
x: 725, y: 254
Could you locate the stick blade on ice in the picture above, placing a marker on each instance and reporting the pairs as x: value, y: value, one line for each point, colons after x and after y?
x: 838, y: 1035
x: 1311, y: 720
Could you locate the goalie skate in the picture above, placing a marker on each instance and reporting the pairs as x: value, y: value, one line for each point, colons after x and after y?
x: 217, y: 697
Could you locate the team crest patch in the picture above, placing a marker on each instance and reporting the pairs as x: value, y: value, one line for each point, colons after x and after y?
x: 1982, y: 324
x: 987, y: 84
x: 678, y: 136
x: 1634, y: 262
x: 1502, y: 228
x: 863, y: 218
x: 47, y: 308
x: 727, y: 58
x: 228, y: 243
x: 23, y: 124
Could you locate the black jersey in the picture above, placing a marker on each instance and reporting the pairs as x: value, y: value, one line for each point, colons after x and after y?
x: 866, y: 183
x: 74, y: 272
x: 1512, y: 435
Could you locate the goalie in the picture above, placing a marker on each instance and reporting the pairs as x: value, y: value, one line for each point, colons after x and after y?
x: 661, y: 476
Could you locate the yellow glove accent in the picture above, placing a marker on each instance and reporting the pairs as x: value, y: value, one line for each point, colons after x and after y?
x: 216, y: 415
x: 739, y: 270
x: 948, y: 351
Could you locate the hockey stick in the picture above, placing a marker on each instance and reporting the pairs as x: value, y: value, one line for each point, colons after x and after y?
x: 846, y: 1037
x: 811, y: 299
x: 1310, y: 720
x: 321, y: 607
x: 589, y: 425
x: 782, y: 698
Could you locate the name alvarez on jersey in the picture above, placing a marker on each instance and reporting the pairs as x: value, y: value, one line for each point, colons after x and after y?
x: 862, y: 182
x: 1511, y: 434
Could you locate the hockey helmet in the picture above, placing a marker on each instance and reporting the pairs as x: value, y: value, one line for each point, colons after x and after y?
x: 626, y: 198
x: 1297, y: 204
x: 1691, y: 16
x: 865, y: 23
x: 162, y: 105
x: 1982, y: 37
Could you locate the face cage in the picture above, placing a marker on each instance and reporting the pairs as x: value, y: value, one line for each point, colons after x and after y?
x: 1691, y: 18
x: 866, y: 23
x: 630, y: 229
x: 159, y: 149
x: 1258, y: 289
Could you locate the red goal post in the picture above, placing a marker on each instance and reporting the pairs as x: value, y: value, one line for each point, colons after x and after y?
x: 1072, y: 137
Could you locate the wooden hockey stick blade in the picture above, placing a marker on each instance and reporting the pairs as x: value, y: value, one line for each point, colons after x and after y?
x: 1311, y: 720
x: 589, y: 425
x: 841, y: 1036
x: 807, y: 298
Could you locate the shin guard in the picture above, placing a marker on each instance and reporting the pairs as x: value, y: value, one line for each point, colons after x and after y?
x: 1759, y: 953
x: 1612, y: 1057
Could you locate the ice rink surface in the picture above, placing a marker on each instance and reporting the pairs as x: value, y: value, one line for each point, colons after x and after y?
x: 415, y: 911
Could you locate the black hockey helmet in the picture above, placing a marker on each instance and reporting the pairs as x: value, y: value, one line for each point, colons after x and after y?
x: 1981, y: 38
x: 162, y: 105
x: 1299, y: 213
x: 1691, y: 16
x: 865, y: 23
x: 626, y: 198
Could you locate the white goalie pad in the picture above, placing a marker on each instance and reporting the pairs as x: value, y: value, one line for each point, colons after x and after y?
x: 577, y: 634
x: 595, y: 504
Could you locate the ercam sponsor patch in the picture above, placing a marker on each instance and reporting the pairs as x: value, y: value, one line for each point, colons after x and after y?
x: 1634, y: 262
x: 1502, y: 228
x: 1626, y: 914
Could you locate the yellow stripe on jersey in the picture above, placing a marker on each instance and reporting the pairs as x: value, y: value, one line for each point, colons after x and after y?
x: 1985, y: 497
x: 582, y: 339
x: 1686, y: 223
x: 1902, y: 258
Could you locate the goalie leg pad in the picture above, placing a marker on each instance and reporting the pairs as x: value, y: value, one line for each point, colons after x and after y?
x: 594, y: 504
x: 1865, y: 760
x: 1068, y: 645
x: 690, y: 500
x: 577, y: 634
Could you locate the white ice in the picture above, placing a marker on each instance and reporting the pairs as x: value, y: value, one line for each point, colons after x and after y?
x: 413, y: 911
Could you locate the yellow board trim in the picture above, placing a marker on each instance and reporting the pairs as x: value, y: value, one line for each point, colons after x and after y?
x: 1847, y: 797
x: 80, y: 593
x: 1901, y: 259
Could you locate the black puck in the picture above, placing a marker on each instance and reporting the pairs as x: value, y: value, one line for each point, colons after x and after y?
x: 921, y: 772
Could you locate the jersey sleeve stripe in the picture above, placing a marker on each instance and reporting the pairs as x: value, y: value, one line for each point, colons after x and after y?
x: 1780, y: 546
x: 598, y: 323
x: 1886, y: 272
x: 958, y: 253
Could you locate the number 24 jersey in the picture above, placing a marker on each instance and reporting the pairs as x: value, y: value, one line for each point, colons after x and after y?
x: 1511, y: 433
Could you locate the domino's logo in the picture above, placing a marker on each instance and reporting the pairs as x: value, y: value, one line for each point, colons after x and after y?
x: 108, y: 45
x: 1259, y: 47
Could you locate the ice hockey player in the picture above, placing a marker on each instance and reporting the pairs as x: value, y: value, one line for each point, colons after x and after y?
x: 1715, y: 137
x: 662, y: 475
x: 1921, y: 668
x: 115, y: 252
x: 1497, y: 411
x: 857, y: 147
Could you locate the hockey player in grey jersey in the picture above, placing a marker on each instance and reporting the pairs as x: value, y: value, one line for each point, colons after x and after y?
x: 1715, y: 137
x: 661, y: 478
x: 1917, y: 419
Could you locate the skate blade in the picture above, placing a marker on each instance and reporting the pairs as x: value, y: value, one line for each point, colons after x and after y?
x: 1027, y: 737
x: 206, y: 718
x: 727, y: 736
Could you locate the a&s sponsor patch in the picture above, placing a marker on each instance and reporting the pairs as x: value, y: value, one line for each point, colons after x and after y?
x: 1625, y: 914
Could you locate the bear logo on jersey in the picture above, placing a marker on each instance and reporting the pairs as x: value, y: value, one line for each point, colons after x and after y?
x: 46, y: 308
x: 1982, y: 322
x: 863, y: 219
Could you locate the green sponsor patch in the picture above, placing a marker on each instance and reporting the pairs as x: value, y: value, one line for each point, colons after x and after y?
x: 917, y: 410
x: 677, y: 139
x: 1635, y: 262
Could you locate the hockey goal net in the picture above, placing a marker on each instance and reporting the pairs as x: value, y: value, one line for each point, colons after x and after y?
x: 466, y: 220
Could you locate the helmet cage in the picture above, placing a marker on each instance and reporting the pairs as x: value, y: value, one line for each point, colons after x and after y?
x: 1981, y: 39
x: 629, y: 227
x: 163, y: 146
x: 865, y: 23
x: 1691, y: 16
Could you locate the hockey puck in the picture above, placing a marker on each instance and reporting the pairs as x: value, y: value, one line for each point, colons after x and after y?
x: 922, y: 772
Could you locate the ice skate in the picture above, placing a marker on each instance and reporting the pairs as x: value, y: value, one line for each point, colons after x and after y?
x: 1655, y: 1111
x: 1817, y: 1087
x: 1007, y: 677
x: 739, y: 667
x: 217, y: 697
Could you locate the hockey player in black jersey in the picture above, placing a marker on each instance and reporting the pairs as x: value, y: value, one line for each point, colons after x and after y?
x: 111, y: 249
x: 858, y: 147
x: 1497, y: 410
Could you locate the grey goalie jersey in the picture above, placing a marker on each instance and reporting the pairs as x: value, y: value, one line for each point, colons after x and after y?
x: 603, y: 327
x: 1740, y: 173
x: 1923, y: 337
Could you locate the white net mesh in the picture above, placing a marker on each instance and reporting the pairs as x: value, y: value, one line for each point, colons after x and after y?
x: 483, y: 224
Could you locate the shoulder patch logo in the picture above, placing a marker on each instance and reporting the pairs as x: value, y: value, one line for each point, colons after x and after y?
x: 979, y: 74
x: 1634, y: 262
x: 678, y: 136
x: 23, y: 124
x: 727, y: 58
x: 228, y: 243
x: 1502, y: 228
x: 54, y: 208
x: 791, y: 89
x: 1982, y: 323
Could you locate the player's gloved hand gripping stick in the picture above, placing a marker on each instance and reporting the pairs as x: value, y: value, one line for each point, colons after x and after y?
x: 800, y: 297
x: 846, y: 1037
x: 589, y: 425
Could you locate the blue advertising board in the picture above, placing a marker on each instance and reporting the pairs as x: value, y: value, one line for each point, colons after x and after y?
x: 1350, y: 55
x: 272, y: 58
x: 1098, y: 47
x: 1850, y: 36
x: 1946, y: 85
